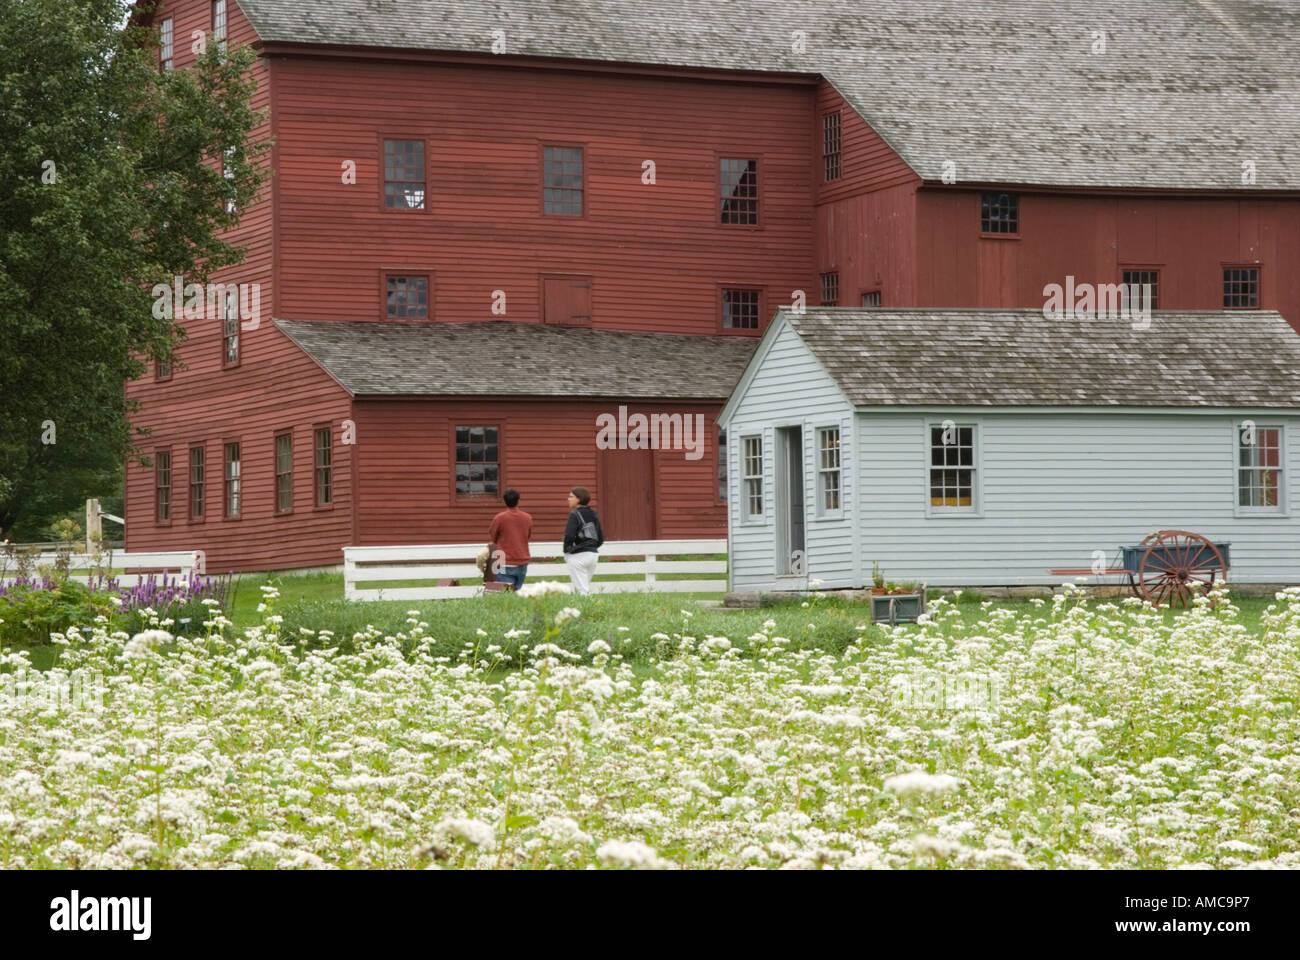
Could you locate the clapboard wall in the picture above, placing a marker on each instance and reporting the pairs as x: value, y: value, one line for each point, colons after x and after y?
x: 789, y: 388
x: 656, y: 253
x: 1054, y: 487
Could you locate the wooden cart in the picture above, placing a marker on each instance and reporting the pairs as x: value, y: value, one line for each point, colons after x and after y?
x: 1167, y: 568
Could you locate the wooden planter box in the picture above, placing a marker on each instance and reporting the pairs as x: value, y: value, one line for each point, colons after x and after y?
x: 894, y: 608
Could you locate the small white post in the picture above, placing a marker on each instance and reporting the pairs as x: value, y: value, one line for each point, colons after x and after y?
x: 94, y: 525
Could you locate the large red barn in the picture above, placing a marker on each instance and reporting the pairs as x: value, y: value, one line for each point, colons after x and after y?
x: 488, y: 227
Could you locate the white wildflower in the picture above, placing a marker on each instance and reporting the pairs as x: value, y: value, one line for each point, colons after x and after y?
x: 633, y: 854
x: 918, y: 781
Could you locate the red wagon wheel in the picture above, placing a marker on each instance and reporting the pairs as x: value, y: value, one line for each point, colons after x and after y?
x: 1176, y: 565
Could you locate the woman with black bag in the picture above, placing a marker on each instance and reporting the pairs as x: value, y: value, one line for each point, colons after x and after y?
x: 582, y: 538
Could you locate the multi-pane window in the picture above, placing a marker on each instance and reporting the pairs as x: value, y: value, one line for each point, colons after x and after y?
x: 231, y: 492
x: 740, y: 309
x: 1000, y: 213
x: 163, y: 369
x: 1148, y: 279
x: 219, y: 24
x: 952, y: 466
x: 1241, y: 288
x: 228, y: 172
x: 871, y: 298
x: 739, y: 184
x: 1259, y: 467
x: 230, y: 327
x: 477, y: 461
x: 562, y: 180
x: 830, y: 289
x: 722, y: 464
x: 162, y: 471
x: 198, y: 477
x: 283, y: 472
x: 752, y: 494
x: 324, y: 466
x: 828, y: 470
x: 404, y: 174
x: 165, y: 44
x: 408, y: 298
x: 831, y: 145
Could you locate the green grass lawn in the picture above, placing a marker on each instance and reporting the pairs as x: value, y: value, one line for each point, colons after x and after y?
x: 633, y: 624
x: 246, y: 593
x: 628, y: 622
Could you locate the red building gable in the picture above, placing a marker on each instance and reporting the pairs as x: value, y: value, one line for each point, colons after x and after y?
x: 420, y: 187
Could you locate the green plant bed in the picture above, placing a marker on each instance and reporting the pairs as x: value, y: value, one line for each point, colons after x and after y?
x: 31, y: 614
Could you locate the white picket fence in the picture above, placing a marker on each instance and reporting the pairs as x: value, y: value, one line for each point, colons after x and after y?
x: 645, y: 559
x: 134, y: 566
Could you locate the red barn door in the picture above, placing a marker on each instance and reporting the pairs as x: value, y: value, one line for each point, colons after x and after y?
x: 627, y: 494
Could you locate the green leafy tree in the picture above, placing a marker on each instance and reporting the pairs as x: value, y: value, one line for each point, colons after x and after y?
x: 110, y: 184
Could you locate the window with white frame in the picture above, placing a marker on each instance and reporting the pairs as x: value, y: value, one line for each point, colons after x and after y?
x: 953, y: 467
x: 230, y: 327
x: 219, y: 25
x: 228, y: 172
x: 1259, y: 468
x: 165, y: 47
x: 828, y: 470
x: 752, y: 455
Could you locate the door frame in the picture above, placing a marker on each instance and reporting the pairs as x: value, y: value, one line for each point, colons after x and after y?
x: 783, y: 514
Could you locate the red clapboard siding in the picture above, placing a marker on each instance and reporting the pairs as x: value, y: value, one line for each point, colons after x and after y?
x: 406, y: 471
x: 1092, y: 238
x: 655, y: 252
x: 867, y: 162
x: 277, y: 388
x: 866, y: 220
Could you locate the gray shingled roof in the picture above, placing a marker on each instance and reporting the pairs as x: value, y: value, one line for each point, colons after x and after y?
x: 928, y: 357
x: 1007, y: 89
x: 521, y: 359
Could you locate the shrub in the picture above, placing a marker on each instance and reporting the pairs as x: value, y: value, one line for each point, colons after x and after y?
x: 34, y: 608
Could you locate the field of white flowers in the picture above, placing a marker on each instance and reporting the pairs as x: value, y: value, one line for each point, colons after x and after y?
x: 1062, y: 734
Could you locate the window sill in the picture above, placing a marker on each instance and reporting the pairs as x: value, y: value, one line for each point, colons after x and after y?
x: 999, y: 236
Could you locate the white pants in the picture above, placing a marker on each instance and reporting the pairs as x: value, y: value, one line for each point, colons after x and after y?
x: 581, y: 567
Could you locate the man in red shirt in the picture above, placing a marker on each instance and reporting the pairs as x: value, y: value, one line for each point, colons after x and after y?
x: 511, y: 530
